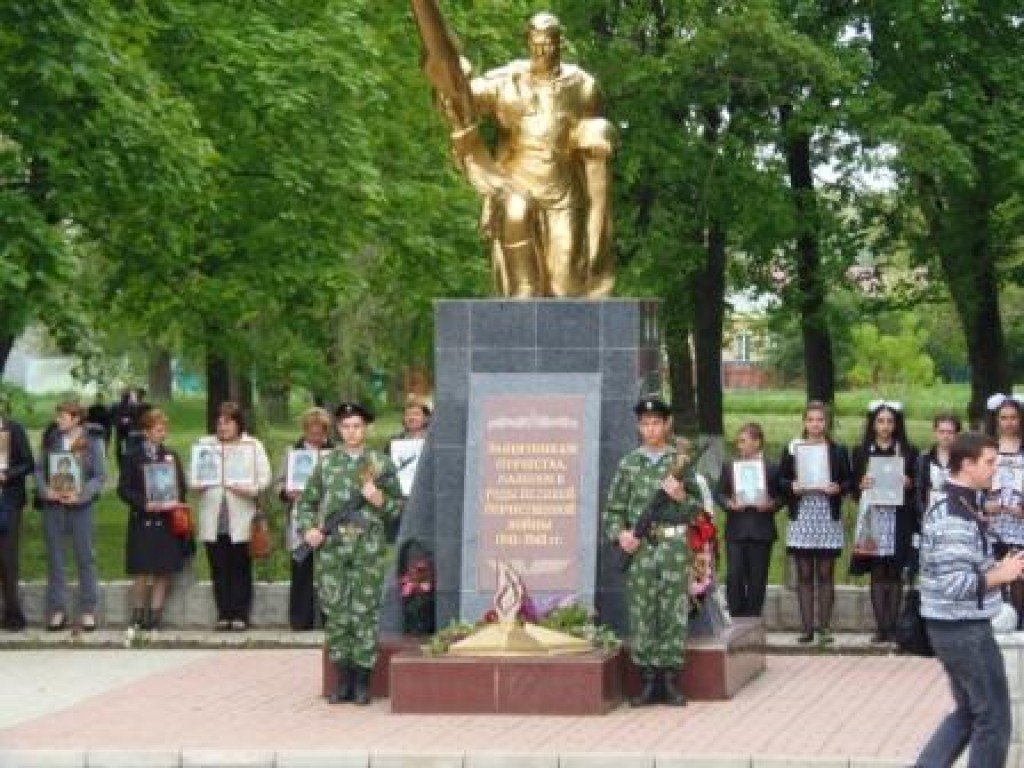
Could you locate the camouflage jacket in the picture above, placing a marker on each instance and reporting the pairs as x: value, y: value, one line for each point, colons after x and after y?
x: 634, y: 485
x: 336, y: 479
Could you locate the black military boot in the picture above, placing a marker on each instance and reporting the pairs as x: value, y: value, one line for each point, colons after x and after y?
x: 362, y: 691
x: 649, y: 693
x: 344, y: 685
x: 673, y: 696
x: 138, y: 618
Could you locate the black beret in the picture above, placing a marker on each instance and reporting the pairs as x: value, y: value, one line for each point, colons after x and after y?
x: 344, y: 410
x: 652, y: 405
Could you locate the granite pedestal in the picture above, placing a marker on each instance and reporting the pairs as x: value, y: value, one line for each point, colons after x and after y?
x: 584, y: 684
x: 616, y: 341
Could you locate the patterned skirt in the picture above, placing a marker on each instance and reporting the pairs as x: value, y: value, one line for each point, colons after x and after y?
x: 1010, y: 528
x: 879, y: 524
x: 814, y: 527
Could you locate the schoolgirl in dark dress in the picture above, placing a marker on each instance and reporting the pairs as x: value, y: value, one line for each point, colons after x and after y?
x: 1005, y: 503
x: 892, y: 526
x: 815, y: 535
x: 152, y: 552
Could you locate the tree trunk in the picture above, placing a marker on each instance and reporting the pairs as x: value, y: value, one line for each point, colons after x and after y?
x: 708, y: 322
x: 680, y: 376
x: 962, y: 231
x: 160, y: 376
x: 6, y: 345
x: 819, y: 367
x: 218, y: 387
x: 241, y: 389
x: 275, y: 403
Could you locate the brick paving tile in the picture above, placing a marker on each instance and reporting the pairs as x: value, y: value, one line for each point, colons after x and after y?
x: 863, y: 707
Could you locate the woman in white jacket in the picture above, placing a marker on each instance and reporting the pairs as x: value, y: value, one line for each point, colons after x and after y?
x: 226, y: 510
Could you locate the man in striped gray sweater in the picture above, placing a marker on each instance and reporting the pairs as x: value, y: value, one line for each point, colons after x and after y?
x: 960, y: 593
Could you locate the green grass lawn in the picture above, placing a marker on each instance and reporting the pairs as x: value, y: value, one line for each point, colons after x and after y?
x: 777, y: 411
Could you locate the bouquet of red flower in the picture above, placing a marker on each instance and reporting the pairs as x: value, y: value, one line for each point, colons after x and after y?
x: 417, y: 587
x: 701, y: 537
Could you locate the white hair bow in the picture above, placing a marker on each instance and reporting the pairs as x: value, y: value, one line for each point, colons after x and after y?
x: 998, y: 400
x: 892, y: 405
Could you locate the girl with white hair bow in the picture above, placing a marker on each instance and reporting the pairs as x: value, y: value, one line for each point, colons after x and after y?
x: 887, y: 527
x: 1005, y: 503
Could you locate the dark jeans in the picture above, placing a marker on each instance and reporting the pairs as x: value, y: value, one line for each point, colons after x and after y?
x: 303, y: 606
x: 747, y: 575
x: 977, y: 678
x: 9, y: 565
x: 231, y: 573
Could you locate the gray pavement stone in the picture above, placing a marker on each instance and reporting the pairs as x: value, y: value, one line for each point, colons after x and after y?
x: 307, y: 758
x: 875, y: 762
x: 43, y: 758
x: 133, y: 758
x: 412, y: 760
x: 228, y: 758
x: 500, y: 760
x: 783, y: 761
x: 599, y: 760
x: 703, y: 761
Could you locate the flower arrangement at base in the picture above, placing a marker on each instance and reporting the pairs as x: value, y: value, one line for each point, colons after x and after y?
x: 568, y: 617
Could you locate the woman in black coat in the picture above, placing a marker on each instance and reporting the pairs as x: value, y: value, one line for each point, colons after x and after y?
x: 152, y: 552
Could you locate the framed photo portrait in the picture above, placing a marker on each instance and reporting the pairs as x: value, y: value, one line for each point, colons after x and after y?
x: 1008, y: 480
x: 301, y: 464
x: 406, y: 454
x: 749, y: 482
x: 887, y: 474
x: 239, y: 464
x: 161, y: 482
x: 812, y: 465
x: 64, y: 472
x: 206, y: 470
x: 5, y: 450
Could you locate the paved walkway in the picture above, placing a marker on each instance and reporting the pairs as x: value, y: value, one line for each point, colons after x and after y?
x: 195, y: 707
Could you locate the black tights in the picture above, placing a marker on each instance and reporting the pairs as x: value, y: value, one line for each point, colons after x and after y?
x: 1015, y: 592
x: 886, y: 595
x: 807, y: 566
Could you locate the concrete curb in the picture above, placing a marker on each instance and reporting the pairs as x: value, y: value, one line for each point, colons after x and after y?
x: 190, y: 605
x: 193, y: 758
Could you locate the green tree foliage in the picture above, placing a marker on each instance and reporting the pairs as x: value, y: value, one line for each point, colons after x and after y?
x: 97, y: 154
x: 947, y: 92
x: 890, y: 362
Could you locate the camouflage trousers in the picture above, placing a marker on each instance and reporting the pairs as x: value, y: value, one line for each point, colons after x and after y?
x: 349, y: 584
x: 659, y: 603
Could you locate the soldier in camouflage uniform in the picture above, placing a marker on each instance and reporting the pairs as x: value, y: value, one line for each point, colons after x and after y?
x: 351, y: 565
x: 658, y: 578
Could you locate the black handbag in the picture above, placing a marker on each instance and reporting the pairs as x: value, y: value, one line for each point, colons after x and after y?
x: 910, y: 633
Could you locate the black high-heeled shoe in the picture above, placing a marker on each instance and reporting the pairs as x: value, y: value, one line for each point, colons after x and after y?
x: 806, y: 637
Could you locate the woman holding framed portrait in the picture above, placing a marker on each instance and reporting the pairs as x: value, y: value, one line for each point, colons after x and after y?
x: 748, y: 491
x: 299, y: 464
x: 69, y: 478
x: 152, y: 483
x: 814, y: 475
x: 1004, y: 506
x: 883, y: 487
x: 228, y: 502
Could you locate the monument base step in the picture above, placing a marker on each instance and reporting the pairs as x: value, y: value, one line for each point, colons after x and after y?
x: 580, y: 684
x: 380, y: 680
x: 716, y: 668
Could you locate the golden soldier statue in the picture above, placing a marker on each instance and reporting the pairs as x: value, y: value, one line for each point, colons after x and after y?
x: 546, y: 188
